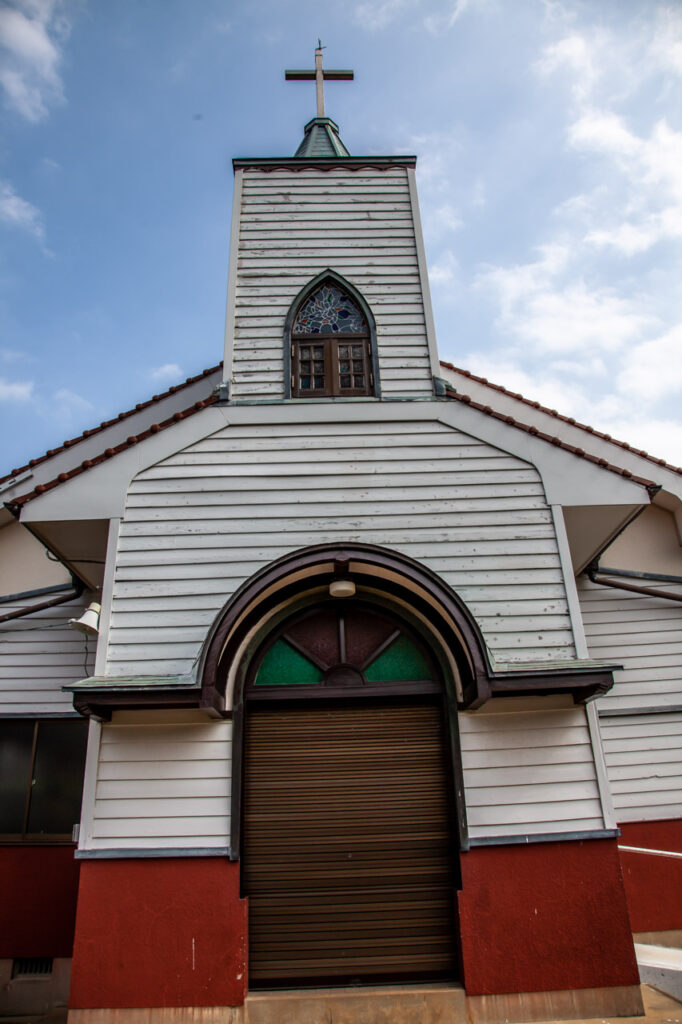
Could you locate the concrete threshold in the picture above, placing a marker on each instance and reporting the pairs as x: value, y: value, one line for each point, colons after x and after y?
x: 381, y: 1004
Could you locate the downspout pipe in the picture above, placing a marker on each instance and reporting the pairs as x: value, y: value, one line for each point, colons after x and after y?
x: 74, y: 590
x: 593, y: 569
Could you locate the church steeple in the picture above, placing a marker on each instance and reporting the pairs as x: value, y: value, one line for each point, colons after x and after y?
x: 321, y: 138
x: 321, y: 135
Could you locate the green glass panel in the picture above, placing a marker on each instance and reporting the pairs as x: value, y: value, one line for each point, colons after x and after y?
x: 283, y: 666
x: 401, y: 661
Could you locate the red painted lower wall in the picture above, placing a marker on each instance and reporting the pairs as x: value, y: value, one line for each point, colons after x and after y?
x: 653, y: 884
x: 38, y: 893
x: 545, y: 916
x: 160, y: 932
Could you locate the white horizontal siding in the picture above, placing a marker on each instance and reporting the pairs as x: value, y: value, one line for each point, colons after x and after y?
x: 202, y: 522
x: 644, y: 761
x: 644, y: 635
x: 40, y: 653
x: 163, y: 784
x: 527, y: 769
x: 295, y: 224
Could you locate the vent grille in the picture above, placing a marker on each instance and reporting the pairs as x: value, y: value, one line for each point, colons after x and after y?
x: 32, y: 967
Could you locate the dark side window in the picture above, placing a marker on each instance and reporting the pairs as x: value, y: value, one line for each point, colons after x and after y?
x: 41, y: 778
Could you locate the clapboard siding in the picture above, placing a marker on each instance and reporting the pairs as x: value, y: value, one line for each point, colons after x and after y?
x: 163, y: 784
x: 644, y: 760
x: 644, y: 635
x: 292, y: 226
x: 528, y: 769
x: 40, y: 654
x: 204, y: 520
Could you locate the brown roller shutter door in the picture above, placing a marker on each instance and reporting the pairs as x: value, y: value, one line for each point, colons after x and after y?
x: 348, y: 860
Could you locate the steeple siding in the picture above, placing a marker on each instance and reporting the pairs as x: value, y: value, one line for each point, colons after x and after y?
x: 298, y: 219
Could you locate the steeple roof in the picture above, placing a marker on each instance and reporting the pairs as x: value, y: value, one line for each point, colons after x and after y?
x: 321, y: 138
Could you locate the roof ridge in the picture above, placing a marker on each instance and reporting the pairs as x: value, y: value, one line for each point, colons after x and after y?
x: 105, y: 424
x: 565, y: 419
x: 651, y: 486
x: 16, y: 504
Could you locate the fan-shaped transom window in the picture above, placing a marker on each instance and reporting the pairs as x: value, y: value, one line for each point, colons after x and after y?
x: 340, y: 645
x: 330, y: 346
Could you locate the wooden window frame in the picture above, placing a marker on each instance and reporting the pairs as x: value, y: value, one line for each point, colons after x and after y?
x: 332, y: 375
x: 292, y: 340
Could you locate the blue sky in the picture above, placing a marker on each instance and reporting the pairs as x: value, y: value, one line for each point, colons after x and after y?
x: 549, y: 144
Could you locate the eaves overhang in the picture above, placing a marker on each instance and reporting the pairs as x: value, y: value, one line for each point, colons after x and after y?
x: 23, y: 473
x: 569, y: 420
x: 16, y: 505
x: 651, y: 487
x: 324, y: 162
x: 99, y: 696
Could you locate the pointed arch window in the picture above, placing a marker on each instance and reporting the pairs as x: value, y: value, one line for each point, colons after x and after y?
x: 331, y: 345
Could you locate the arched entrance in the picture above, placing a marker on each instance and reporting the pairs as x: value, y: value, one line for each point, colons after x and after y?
x: 347, y: 809
x: 349, y: 853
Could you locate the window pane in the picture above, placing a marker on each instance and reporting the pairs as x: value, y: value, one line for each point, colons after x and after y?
x: 57, y: 777
x: 16, y: 741
x: 402, y: 660
x: 283, y: 665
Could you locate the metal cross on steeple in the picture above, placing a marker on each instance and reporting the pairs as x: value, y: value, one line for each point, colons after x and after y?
x: 319, y: 75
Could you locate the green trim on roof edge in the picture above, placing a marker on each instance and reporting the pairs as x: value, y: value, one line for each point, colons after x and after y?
x: 324, y: 161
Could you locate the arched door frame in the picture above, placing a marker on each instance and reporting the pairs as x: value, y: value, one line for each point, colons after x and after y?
x: 387, y: 578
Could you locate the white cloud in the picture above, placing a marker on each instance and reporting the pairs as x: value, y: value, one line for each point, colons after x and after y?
x: 12, y: 355
x: 31, y: 34
x: 661, y: 438
x: 167, y: 372
x: 653, y: 369
x: 377, y: 14
x: 438, y: 22
x: 19, y: 213
x: 572, y: 52
x: 69, y: 403
x: 15, y: 391
x: 541, y: 305
x: 444, y: 272
x: 666, y: 45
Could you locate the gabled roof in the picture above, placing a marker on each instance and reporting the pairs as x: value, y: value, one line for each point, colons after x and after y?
x: 652, y: 487
x: 16, y: 504
x: 106, y: 424
x: 558, y: 416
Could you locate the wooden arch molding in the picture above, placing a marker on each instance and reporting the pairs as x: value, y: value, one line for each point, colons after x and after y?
x: 416, y: 592
x: 386, y: 576
x: 357, y: 297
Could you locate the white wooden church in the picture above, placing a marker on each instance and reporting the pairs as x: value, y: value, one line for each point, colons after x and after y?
x: 382, y: 707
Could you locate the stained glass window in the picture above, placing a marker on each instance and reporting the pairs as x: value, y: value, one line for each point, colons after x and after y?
x: 369, y: 647
x: 329, y: 311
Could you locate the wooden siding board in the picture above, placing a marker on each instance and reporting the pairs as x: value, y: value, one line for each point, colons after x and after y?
x: 642, y: 634
x: 644, y: 759
x: 41, y: 653
x: 179, y: 555
x: 163, y: 784
x: 528, y: 770
x: 363, y: 228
